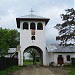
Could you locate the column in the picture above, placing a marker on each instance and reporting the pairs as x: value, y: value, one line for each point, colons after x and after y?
x: 19, y: 55
x: 45, y: 58
x: 29, y: 25
x: 35, y: 29
x: 21, y: 60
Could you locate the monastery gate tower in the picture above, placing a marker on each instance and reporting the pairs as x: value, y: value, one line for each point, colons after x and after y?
x: 32, y: 35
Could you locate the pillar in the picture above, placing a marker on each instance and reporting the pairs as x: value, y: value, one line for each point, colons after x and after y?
x: 21, y: 60
x: 45, y: 58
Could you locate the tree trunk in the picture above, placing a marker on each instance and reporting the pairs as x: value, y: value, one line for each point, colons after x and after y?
x: 34, y: 59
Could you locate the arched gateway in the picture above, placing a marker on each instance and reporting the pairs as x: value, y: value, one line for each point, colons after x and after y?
x: 39, y: 51
x: 32, y: 34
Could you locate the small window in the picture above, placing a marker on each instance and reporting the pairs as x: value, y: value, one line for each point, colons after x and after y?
x: 32, y: 26
x: 25, y: 25
x: 46, y: 48
x: 33, y: 38
x: 39, y: 26
x: 32, y: 32
x: 68, y: 57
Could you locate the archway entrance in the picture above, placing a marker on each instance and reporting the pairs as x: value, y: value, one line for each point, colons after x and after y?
x: 33, y: 55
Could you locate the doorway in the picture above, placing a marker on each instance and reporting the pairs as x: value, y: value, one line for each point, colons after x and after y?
x: 33, y: 55
x: 60, y: 60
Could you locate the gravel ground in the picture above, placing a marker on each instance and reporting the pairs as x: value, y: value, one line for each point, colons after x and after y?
x: 59, y: 70
x: 40, y: 70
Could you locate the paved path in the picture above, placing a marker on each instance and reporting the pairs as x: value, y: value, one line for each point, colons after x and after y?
x: 35, y: 70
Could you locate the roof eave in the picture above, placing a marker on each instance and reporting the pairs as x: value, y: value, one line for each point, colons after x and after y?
x: 61, y: 52
x: 35, y: 19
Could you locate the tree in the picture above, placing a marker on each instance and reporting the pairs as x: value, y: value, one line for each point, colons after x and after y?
x: 67, y: 28
x: 3, y: 38
x: 33, y: 54
x: 14, y: 38
x: 8, y: 38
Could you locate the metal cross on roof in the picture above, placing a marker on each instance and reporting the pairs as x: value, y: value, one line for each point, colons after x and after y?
x: 31, y: 11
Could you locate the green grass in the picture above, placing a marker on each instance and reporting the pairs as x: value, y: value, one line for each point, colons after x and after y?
x: 72, y: 70
x: 9, y: 70
x: 29, y: 62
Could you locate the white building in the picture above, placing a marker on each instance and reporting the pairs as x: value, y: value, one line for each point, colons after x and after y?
x: 32, y: 35
x: 11, y: 50
x: 60, y: 54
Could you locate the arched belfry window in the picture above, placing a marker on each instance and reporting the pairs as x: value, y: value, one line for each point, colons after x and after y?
x: 39, y: 26
x: 32, y: 26
x: 25, y: 25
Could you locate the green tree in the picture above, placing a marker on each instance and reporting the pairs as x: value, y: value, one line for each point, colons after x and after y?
x: 8, y: 38
x: 14, y: 38
x: 67, y: 28
x: 3, y: 40
x: 33, y: 54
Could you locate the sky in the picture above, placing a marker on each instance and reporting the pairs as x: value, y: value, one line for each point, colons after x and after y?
x: 11, y: 9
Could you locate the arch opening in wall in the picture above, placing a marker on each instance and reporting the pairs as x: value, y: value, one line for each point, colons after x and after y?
x: 39, y: 26
x: 37, y: 56
x: 32, y: 26
x: 25, y: 25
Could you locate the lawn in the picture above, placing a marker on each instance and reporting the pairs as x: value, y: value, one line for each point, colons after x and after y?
x: 72, y: 70
x: 30, y: 62
x: 27, y: 62
x: 10, y: 70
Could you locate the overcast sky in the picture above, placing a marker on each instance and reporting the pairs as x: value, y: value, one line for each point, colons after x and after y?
x: 10, y: 9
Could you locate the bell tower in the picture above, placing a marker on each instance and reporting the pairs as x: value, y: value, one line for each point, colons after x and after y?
x: 32, y: 34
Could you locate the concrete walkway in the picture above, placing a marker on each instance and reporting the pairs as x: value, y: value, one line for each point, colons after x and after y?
x: 35, y: 70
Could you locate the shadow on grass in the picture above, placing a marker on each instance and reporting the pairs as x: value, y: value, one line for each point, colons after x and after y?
x: 10, y: 70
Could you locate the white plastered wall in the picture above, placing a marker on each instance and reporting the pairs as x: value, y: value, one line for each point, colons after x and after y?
x: 25, y: 40
x: 53, y: 57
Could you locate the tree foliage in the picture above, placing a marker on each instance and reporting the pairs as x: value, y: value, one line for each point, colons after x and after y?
x: 67, y: 28
x: 33, y: 54
x: 8, y: 39
x: 14, y: 38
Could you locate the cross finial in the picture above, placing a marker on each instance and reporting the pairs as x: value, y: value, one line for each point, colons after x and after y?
x: 31, y: 11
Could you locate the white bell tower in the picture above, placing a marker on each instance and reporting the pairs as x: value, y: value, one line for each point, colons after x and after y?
x: 32, y: 34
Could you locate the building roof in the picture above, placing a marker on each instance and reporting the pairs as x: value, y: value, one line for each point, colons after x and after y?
x: 12, y: 50
x: 31, y: 17
x: 60, y: 49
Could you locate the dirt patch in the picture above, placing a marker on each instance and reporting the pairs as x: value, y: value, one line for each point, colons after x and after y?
x: 59, y: 70
x: 40, y: 70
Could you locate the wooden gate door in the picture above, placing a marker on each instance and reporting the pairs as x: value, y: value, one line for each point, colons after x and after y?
x: 60, y: 59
